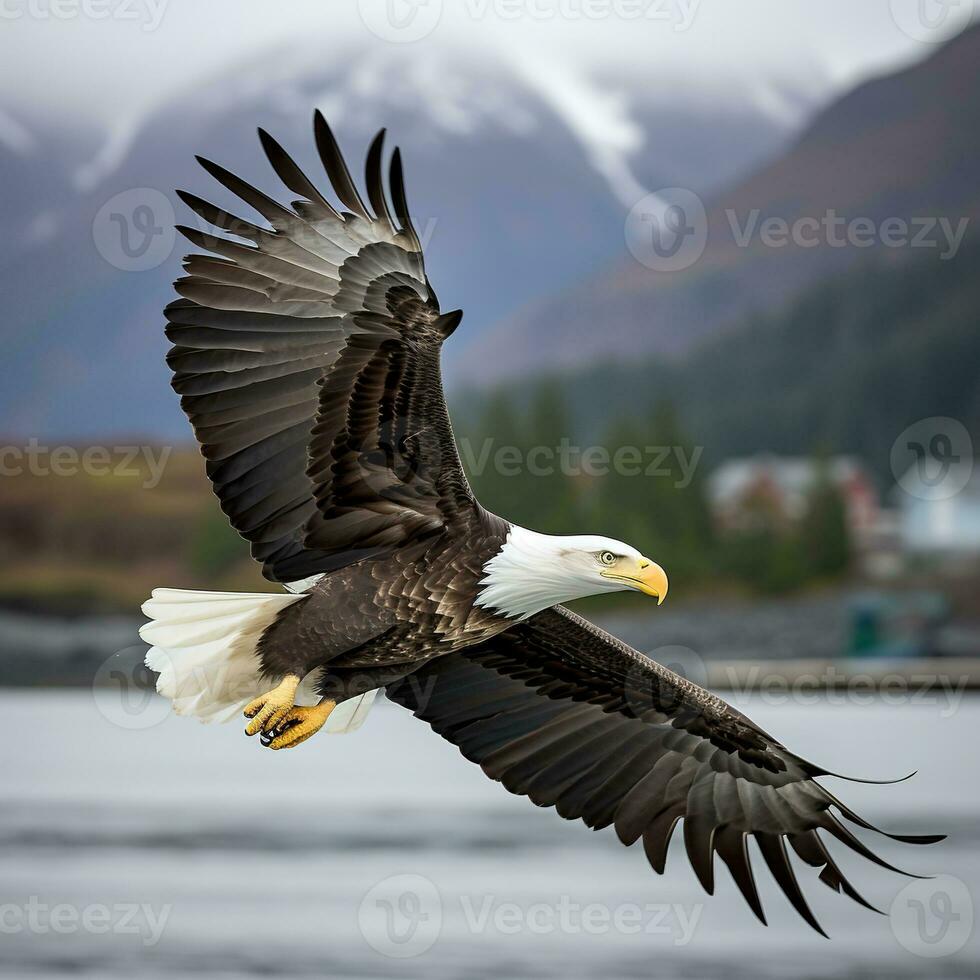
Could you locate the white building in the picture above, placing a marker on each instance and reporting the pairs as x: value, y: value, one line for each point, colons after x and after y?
x: 943, y: 520
x: 784, y: 484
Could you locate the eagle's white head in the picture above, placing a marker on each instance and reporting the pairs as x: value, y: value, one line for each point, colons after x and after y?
x: 533, y: 571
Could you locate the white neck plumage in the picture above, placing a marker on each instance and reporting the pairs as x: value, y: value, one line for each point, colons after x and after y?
x: 533, y: 571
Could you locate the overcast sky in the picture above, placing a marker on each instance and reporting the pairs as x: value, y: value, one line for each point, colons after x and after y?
x: 100, y: 58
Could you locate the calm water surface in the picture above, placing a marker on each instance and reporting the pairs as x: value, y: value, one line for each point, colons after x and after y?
x: 181, y: 850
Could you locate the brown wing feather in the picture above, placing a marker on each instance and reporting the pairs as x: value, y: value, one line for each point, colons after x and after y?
x: 308, y: 364
x: 567, y: 715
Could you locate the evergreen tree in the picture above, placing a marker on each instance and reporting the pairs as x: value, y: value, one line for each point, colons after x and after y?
x: 488, y: 456
x: 550, y: 496
x: 824, y: 531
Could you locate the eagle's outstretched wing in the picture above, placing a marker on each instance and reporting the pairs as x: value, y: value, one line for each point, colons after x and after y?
x: 308, y: 365
x: 567, y: 715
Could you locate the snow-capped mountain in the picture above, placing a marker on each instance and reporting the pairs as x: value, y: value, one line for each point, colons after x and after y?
x: 518, y: 179
x: 885, y: 173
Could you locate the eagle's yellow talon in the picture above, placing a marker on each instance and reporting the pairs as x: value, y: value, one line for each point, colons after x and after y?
x: 269, y: 709
x: 303, y: 723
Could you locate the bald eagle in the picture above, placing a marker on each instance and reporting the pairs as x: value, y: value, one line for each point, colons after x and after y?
x: 308, y: 365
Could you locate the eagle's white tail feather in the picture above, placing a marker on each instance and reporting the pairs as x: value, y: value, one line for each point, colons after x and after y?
x: 348, y: 716
x: 204, y: 647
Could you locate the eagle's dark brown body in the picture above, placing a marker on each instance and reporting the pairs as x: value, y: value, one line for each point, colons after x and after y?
x: 375, y: 621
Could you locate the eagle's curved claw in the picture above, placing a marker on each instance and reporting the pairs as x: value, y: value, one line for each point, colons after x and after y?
x: 269, y: 709
x: 299, y: 724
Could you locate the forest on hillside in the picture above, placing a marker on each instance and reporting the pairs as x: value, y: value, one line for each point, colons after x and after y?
x: 844, y: 368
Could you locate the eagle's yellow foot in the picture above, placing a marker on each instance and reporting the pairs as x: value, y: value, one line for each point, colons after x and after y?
x: 299, y: 724
x: 267, y: 710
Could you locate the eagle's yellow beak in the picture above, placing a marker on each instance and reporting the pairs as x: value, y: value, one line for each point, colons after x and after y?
x: 647, y: 577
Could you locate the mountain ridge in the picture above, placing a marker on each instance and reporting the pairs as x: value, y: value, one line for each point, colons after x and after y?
x: 531, y: 216
x: 899, y: 146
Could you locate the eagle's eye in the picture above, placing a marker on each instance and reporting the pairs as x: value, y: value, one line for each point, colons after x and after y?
x: 607, y: 557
